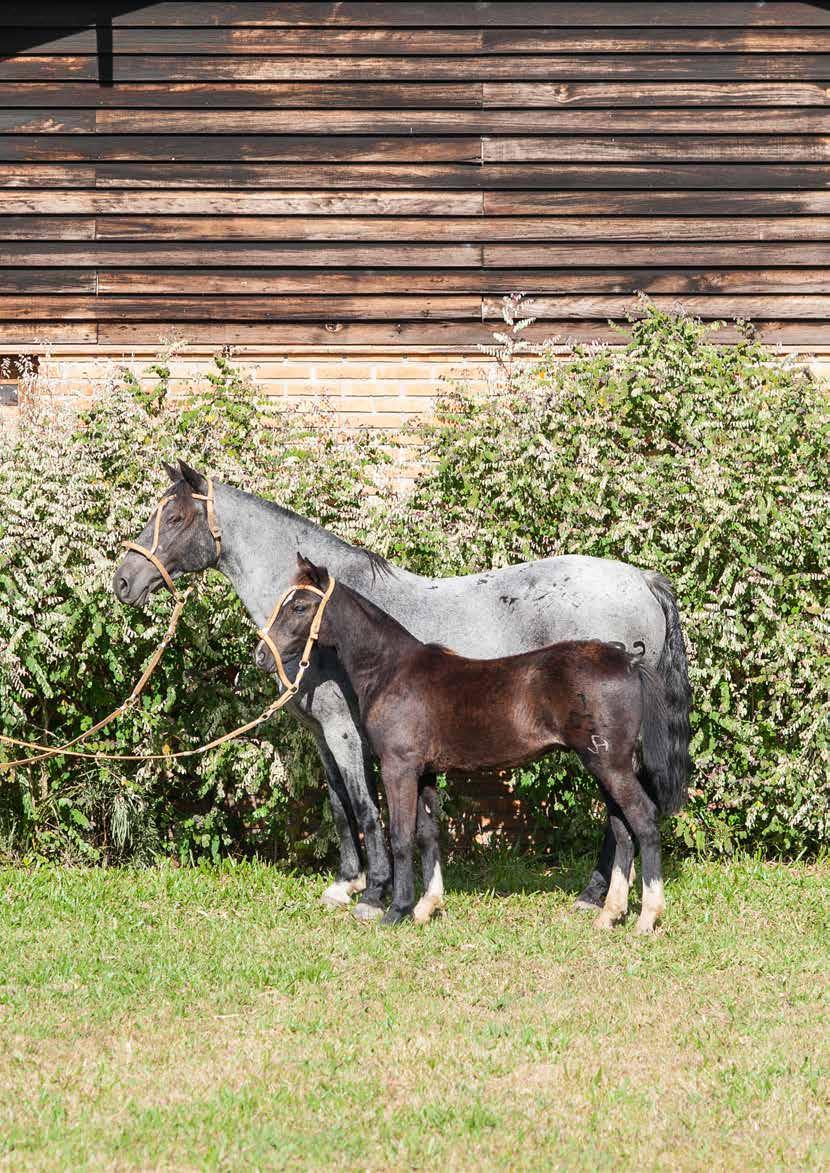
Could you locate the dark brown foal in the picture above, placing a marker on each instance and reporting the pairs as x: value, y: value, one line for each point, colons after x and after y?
x: 427, y: 711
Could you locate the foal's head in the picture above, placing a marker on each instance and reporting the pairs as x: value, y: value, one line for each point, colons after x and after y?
x: 185, y: 543
x: 290, y: 624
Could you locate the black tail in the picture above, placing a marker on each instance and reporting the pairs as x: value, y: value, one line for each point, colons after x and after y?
x: 667, y: 699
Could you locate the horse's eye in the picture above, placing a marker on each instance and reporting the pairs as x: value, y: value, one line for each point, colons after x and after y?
x: 301, y: 608
x: 175, y: 518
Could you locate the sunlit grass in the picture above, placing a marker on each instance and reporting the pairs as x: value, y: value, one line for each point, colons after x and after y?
x: 221, y: 1018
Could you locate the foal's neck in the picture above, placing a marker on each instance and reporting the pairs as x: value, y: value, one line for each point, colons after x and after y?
x: 368, y: 641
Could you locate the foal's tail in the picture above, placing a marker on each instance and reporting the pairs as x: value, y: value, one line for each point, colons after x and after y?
x: 666, y: 702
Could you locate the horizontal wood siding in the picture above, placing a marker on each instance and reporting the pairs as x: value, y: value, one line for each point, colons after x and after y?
x: 380, y: 174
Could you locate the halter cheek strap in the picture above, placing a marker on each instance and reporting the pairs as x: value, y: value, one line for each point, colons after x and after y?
x: 313, y: 632
x: 151, y: 555
x: 210, y: 509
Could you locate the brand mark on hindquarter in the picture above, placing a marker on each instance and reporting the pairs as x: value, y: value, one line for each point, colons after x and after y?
x: 598, y: 744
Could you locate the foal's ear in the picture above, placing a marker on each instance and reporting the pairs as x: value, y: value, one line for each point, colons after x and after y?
x: 195, y: 479
x: 317, y: 575
x: 172, y: 472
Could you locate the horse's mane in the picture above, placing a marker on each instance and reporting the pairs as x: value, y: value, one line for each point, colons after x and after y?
x: 379, y: 566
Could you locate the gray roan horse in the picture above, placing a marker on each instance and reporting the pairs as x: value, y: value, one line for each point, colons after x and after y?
x: 487, y: 615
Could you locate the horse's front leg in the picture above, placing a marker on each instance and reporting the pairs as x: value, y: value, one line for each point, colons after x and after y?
x: 345, y: 745
x: 351, y: 876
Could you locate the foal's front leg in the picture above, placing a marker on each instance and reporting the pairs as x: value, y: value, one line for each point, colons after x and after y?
x: 400, y: 781
x: 427, y: 836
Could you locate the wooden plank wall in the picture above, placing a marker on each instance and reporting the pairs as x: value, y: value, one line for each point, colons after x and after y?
x: 381, y: 173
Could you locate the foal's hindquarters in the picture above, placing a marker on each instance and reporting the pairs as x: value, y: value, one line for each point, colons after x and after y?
x: 593, y: 699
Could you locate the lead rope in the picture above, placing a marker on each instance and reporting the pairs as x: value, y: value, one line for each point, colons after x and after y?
x: 46, y: 751
x: 124, y: 707
x: 292, y: 687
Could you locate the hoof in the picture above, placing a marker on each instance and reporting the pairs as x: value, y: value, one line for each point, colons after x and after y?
x: 339, y: 894
x: 426, y: 908
x: 586, y: 902
x: 394, y: 916
x: 367, y: 912
x: 593, y: 894
x: 334, y: 897
x: 608, y: 920
x: 644, y: 927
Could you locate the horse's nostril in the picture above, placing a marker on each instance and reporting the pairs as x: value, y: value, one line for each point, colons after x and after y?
x: 122, y: 587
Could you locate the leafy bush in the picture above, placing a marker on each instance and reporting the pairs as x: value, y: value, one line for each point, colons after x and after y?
x: 708, y: 463
x: 71, y: 487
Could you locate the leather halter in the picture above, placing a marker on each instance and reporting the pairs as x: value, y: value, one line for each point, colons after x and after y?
x: 151, y: 555
x: 313, y: 631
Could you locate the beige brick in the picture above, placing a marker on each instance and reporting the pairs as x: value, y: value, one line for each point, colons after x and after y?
x: 380, y: 389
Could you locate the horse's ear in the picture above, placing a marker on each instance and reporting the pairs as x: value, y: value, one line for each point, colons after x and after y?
x: 317, y: 575
x: 195, y: 479
x: 172, y: 472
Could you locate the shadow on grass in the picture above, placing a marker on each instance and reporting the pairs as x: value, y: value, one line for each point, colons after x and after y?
x: 505, y: 871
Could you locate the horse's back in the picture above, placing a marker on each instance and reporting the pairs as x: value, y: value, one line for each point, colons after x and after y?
x: 534, y: 604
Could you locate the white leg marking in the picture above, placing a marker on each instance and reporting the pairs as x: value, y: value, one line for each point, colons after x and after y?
x: 339, y: 894
x: 616, y: 902
x: 432, y: 899
x: 654, y: 905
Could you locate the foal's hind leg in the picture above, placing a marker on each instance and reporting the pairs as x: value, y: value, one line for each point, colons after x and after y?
x: 426, y: 836
x: 593, y: 894
x: 644, y: 821
x: 640, y: 814
x: 615, y: 906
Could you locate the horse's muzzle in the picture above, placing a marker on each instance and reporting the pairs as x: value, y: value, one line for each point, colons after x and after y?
x: 263, y: 658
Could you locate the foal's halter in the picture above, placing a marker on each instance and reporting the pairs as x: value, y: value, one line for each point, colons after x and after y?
x: 151, y: 555
x: 313, y: 632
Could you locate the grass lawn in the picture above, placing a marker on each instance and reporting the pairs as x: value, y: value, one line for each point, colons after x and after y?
x: 220, y: 1018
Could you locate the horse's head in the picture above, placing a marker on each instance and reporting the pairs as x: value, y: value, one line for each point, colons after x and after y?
x: 288, y: 630
x: 181, y: 535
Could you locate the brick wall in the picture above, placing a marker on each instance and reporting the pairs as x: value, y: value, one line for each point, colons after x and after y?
x: 378, y: 389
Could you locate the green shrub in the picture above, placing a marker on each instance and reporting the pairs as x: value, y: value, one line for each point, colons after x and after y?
x: 70, y: 489
x: 708, y: 463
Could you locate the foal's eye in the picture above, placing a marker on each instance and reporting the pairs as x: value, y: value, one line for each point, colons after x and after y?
x: 301, y: 608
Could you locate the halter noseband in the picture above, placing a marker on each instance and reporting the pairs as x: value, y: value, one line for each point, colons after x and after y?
x: 313, y: 631
x: 151, y: 555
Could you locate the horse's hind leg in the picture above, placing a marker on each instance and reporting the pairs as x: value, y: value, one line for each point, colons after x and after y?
x: 615, y: 906
x: 427, y: 838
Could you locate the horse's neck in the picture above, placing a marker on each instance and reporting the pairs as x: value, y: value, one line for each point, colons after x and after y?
x: 260, y: 545
x: 369, y: 642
